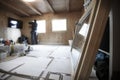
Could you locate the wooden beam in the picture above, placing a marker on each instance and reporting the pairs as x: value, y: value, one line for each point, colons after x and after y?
x: 13, y: 7
x: 95, y: 36
x: 81, y: 58
x: 31, y: 7
x: 68, y: 5
x: 49, y: 5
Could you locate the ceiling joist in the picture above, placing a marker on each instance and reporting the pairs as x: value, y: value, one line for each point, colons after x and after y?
x: 13, y: 7
x: 49, y: 5
x: 31, y: 7
x: 68, y: 4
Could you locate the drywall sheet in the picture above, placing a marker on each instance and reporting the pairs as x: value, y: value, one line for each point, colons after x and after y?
x: 7, y: 66
x: 42, y: 50
x: 39, y: 53
x: 62, y: 51
x: 60, y: 66
x: 34, y: 67
x: 54, y: 76
x: 44, y: 47
x: 67, y: 77
x: 17, y: 78
x: 76, y: 55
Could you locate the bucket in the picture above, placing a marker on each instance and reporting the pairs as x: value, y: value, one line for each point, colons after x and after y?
x: 70, y: 42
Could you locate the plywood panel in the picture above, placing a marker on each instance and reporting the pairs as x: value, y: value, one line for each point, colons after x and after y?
x: 54, y: 37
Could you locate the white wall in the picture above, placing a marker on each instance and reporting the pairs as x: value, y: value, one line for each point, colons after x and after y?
x: 11, y: 34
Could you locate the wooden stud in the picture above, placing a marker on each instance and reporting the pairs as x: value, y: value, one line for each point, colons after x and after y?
x: 97, y: 29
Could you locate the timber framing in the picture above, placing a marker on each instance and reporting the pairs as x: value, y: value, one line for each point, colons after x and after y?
x: 80, y: 23
x: 15, y: 8
x: 68, y: 5
x: 97, y: 22
x: 49, y: 5
x: 31, y: 7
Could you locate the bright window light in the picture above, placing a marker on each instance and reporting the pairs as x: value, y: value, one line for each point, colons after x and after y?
x: 84, y: 30
x: 28, y: 0
x: 13, y: 24
x: 41, y: 26
x: 59, y: 25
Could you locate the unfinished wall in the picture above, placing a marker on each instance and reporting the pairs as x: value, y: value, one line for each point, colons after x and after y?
x: 6, y: 32
x: 53, y: 37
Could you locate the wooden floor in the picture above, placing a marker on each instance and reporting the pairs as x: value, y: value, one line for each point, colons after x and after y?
x: 44, y: 62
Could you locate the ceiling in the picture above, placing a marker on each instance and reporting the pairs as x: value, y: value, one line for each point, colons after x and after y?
x: 41, y: 7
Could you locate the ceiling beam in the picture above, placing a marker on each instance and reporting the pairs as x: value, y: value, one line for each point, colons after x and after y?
x: 13, y: 7
x: 49, y: 5
x: 68, y: 5
x: 31, y: 7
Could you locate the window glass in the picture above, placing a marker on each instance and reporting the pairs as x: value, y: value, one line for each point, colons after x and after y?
x: 41, y: 26
x: 59, y: 25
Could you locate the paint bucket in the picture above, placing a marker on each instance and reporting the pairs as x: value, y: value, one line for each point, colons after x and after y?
x: 70, y: 42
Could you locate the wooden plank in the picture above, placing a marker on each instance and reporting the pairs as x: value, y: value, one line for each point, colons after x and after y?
x: 49, y: 5
x: 31, y: 7
x: 68, y: 5
x: 94, y: 39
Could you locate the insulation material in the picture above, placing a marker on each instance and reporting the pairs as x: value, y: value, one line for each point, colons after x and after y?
x: 34, y: 67
x: 60, y: 66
